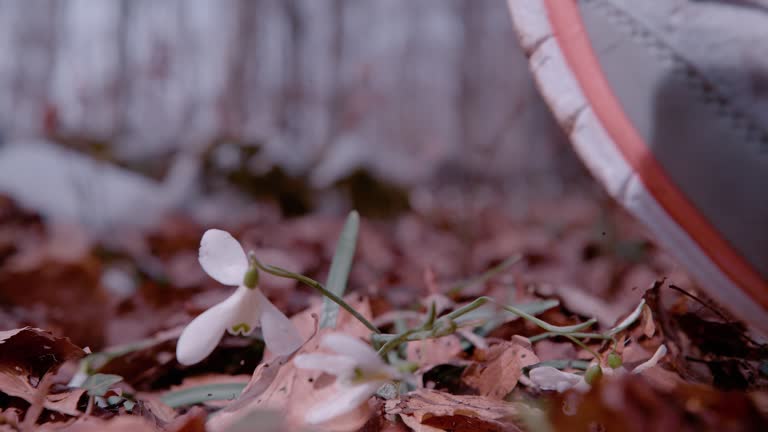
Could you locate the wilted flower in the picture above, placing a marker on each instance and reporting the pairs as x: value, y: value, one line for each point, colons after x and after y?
x: 549, y: 378
x: 359, y: 373
x: 222, y: 257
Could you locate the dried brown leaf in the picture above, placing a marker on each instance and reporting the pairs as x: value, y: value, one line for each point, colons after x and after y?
x: 429, y: 410
x: 548, y: 350
x: 430, y: 352
x: 35, y: 351
x: 15, y: 383
x: 497, y: 374
x: 154, y: 409
x: 192, y: 421
x: 647, y: 322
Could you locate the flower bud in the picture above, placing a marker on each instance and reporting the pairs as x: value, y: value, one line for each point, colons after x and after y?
x: 614, y: 360
x: 593, y: 375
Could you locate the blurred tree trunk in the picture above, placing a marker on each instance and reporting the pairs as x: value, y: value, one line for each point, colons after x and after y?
x: 404, y: 88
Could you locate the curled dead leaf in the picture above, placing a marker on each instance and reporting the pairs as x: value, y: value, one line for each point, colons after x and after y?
x: 35, y: 350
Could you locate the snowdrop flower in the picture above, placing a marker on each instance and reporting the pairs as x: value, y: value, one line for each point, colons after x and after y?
x: 222, y: 257
x: 549, y: 378
x: 359, y: 373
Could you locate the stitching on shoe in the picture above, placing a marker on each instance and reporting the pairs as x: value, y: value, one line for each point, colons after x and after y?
x: 708, y: 91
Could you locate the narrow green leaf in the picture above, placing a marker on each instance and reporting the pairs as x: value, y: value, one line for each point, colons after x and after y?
x: 340, y: 267
x: 99, y: 384
x: 495, y: 320
x: 203, y: 393
x: 485, y: 276
x: 93, y: 362
x: 628, y: 321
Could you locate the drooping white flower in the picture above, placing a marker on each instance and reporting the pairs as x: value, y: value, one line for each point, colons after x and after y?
x: 549, y: 378
x: 222, y: 257
x: 359, y: 373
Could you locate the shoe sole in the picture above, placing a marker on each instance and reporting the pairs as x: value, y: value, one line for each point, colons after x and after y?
x: 572, y: 82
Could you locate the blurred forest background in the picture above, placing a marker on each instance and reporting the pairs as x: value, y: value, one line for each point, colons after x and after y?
x: 287, y: 94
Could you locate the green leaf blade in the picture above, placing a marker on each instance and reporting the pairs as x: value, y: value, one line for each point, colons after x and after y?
x: 203, y: 393
x: 99, y: 384
x: 340, y: 268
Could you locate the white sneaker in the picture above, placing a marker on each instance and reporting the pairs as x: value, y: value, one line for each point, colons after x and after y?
x: 666, y: 101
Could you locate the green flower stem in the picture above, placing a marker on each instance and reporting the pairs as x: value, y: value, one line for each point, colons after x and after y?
x: 447, y: 324
x: 395, y: 342
x: 407, y: 336
x: 431, y: 316
x: 493, y: 271
x: 495, y: 320
x: 476, y: 304
x: 583, y: 345
x: 427, y: 327
x: 546, y: 335
x: 608, y: 335
x: 628, y: 320
x: 277, y: 271
x: 480, y: 301
x: 549, y: 327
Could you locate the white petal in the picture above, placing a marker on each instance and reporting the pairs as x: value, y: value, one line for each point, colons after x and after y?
x: 582, y: 386
x: 201, y: 336
x: 333, y: 364
x: 222, y: 257
x: 352, y: 347
x: 549, y: 378
x: 246, y: 315
x: 280, y: 334
x: 346, y: 400
x: 660, y: 352
x: 78, y: 379
x: 619, y: 371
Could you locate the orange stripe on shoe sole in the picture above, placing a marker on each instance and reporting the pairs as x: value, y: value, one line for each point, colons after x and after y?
x: 568, y: 29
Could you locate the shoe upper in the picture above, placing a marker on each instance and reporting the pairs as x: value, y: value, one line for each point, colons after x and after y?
x: 693, y: 78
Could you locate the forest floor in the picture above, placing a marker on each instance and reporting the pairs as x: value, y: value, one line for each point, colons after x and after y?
x: 112, y: 311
